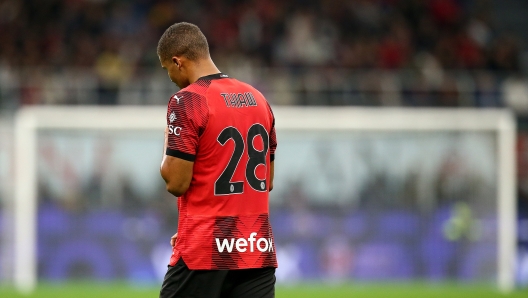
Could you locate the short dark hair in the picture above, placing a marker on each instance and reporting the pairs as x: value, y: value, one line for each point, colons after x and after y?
x: 183, y: 39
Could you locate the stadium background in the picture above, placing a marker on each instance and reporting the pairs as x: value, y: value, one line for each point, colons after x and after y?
x: 98, y: 211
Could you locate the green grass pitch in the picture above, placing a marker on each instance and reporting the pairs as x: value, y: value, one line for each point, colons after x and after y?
x: 90, y: 290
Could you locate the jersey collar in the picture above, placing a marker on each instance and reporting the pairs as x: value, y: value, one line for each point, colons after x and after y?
x: 215, y: 76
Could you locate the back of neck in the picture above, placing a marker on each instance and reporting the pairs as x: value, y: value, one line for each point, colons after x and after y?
x: 203, y: 68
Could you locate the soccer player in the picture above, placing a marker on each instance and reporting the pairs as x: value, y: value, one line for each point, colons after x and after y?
x: 218, y: 160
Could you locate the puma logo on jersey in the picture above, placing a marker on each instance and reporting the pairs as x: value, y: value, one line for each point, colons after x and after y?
x: 177, y: 98
x: 239, y: 100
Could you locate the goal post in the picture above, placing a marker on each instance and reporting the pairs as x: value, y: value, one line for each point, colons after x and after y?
x: 30, y: 120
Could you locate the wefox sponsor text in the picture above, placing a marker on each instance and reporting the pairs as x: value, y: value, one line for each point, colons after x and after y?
x: 241, y: 244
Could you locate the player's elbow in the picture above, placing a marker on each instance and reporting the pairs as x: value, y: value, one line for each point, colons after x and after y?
x: 176, y: 189
x: 174, y: 184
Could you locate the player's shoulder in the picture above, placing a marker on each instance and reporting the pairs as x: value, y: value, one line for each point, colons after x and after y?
x: 186, y: 95
x: 244, y: 85
x: 175, y: 97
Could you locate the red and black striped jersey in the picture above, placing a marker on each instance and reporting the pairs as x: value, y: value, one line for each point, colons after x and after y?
x: 227, y: 129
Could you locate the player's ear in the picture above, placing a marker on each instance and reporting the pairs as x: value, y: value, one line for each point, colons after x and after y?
x: 176, y: 61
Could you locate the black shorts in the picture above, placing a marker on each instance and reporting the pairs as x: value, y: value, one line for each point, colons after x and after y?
x: 182, y: 282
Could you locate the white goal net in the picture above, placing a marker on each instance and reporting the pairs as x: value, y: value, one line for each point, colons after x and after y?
x: 361, y: 194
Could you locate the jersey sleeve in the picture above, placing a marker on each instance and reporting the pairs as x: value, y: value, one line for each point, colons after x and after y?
x: 187, y: 116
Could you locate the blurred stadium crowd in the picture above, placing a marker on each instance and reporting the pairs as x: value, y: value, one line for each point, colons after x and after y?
x: 387, y: 34
x: 359, y: 52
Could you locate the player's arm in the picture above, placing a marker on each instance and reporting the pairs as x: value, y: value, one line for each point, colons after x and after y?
x: 181, y: 140
x: 176, y: 172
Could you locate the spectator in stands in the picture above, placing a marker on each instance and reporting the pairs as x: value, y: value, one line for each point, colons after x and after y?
x: 378, y: 34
